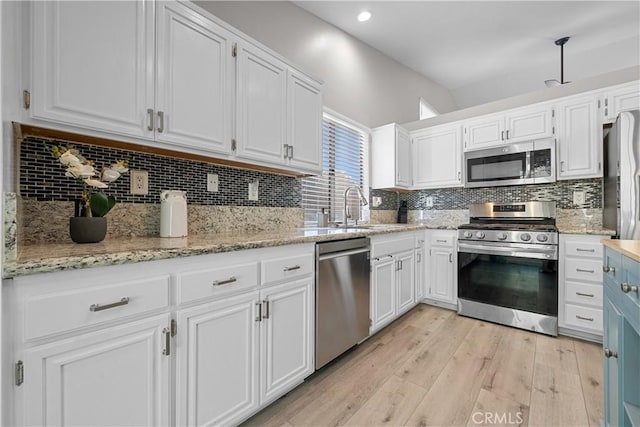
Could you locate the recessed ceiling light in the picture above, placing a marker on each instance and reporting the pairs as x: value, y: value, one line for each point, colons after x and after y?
x: 364, y: 16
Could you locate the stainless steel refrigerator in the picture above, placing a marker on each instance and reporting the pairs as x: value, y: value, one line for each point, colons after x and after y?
x: 622, y: 176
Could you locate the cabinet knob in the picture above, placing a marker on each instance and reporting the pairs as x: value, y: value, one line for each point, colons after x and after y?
x: 607, y: 269
x: 609, y: 353
x: 626, y: 288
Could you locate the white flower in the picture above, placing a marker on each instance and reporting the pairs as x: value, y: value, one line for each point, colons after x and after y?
x: 69, y: 159
x: 80, y: 171
x: 95, y: 183
x: 110, y: 175
x: 120, y: 167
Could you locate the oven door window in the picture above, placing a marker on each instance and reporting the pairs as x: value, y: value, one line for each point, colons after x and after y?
x: 497, y: 168
x: 520, y: 283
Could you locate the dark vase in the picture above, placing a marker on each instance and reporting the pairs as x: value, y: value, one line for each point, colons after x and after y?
x: 83, y: 229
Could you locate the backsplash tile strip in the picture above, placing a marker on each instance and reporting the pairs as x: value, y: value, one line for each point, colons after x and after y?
x: 42, y: 178
x: 560, y: 192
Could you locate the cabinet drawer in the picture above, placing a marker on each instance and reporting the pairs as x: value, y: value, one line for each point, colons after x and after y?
x: 216, y: 281
x: 277, y: 269
x: 583, y: 269
x: 583, y: 293
x: 583, y: 317
x: 441, y: 239
x: 584, y: 249
x: 387, y: 247
x: 64, y: 311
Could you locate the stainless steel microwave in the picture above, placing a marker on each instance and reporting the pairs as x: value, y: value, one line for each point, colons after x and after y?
x: 530, y: 162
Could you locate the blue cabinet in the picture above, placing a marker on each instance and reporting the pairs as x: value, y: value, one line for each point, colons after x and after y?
x: 621, y: 342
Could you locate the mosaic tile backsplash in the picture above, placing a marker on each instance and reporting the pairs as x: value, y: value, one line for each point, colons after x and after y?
x: 42, y: 178
x: 560, y: 192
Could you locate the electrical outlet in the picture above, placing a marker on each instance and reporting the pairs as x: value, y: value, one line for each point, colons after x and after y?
x: 212, y: 182
x: 139, y: 182
x: 253, y: 190
x: 429, y: 201
x: 578, y: 197
x: 376, y: 201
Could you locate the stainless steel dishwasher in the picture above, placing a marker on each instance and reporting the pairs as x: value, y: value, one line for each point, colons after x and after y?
x: 342, y: 297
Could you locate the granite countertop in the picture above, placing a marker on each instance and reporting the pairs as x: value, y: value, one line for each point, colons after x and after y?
x: 50, y: 257
x: 581, y: 230
x: 630, y: 248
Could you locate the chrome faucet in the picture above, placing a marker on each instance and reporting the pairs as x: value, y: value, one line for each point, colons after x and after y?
x: 363, y: 202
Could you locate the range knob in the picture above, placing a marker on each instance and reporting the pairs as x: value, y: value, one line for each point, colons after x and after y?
x: 525, y: 237
x: 542, y: 237
x: 502, y: 236
x: 480, y: 234
x: 467, y: 234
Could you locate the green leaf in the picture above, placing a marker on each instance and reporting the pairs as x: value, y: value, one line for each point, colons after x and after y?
x: 101, y: 204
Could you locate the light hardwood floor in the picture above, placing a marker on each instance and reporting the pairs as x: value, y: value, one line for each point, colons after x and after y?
x: 434, y: 368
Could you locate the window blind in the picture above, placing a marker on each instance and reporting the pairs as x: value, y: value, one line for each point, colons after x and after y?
x: 344, y: 164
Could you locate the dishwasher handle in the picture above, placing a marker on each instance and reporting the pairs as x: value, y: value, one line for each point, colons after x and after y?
x: 343, y: 253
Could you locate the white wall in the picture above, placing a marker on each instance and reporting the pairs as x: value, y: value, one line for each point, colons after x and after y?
x: 359, y: 81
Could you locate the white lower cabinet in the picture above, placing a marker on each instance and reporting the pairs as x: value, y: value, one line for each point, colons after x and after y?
x: 420, y: 269
x: 198, y: 341
x: 392, y: 277
x: 117, y: 376
x: 442, y: 272
x: 580, y: 291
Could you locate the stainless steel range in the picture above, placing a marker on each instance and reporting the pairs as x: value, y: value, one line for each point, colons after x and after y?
x: 508, y: 265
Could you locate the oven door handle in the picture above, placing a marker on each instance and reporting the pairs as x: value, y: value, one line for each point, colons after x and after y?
x: 532, y: 252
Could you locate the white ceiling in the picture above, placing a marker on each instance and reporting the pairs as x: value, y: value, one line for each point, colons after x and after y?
x: 487, y: 50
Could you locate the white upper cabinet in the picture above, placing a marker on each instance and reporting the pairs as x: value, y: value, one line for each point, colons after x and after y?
x: 92, y: 64
x: 520, y: 124
x: 620, y: 98
x: 304, y: 115
x: 390, y: 157
x: 261, y: 105
x: 437, y: 157
x: 194, y: 80
x: 579, y: 151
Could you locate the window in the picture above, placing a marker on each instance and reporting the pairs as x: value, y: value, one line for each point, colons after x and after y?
x: 344, y: 164
x: 426, y: 110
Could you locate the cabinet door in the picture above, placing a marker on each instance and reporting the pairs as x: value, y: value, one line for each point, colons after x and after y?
x: 285, y: 338
x: 484, y: 132
x: 621, y: 99
x: 437, y: 158
x: 612, y: 319
x: 383, y: 294
x: 420, y: 274
x: 304, y: 111
x: 579, y: 139
x: 117, y: 376
x: 405, y: 285
x: 92, y: 64
x: 217, y: 362
x: 403, y: 159
x: 261, y: 106
x: 526, y: 124
x: 194, y: 80
x: 441, y: 280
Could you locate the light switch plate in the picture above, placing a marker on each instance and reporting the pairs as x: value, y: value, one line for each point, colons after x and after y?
x: 429, y: 201
x: 376, y: 201
x: 253, y: 190
x: 212, y: 182
x: 578, y: 197
x: 139, y: 182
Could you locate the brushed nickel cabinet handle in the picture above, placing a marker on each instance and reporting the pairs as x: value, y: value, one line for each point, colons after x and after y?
x: 589, y: 319
x: 585, y: 295
x: 626, y: 288
x: 286, y: 151
x: 266, y: 309
x: 450, y: 257
x: 502, y: 135
x: 581, y: 270
x: 585, y: 250
x: 167, y: 341
x: 295, y: 267
x: 258, y: 311
x: 98, y: 307
x: 562, y: 166
x: 507, y: 134
x: 441, y: 241
x: 607, y: 269
x: 224, y: 282
x: 150, y: 119
x: 610, y: 353
x: 160, y: 121
x: 291, y: 151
